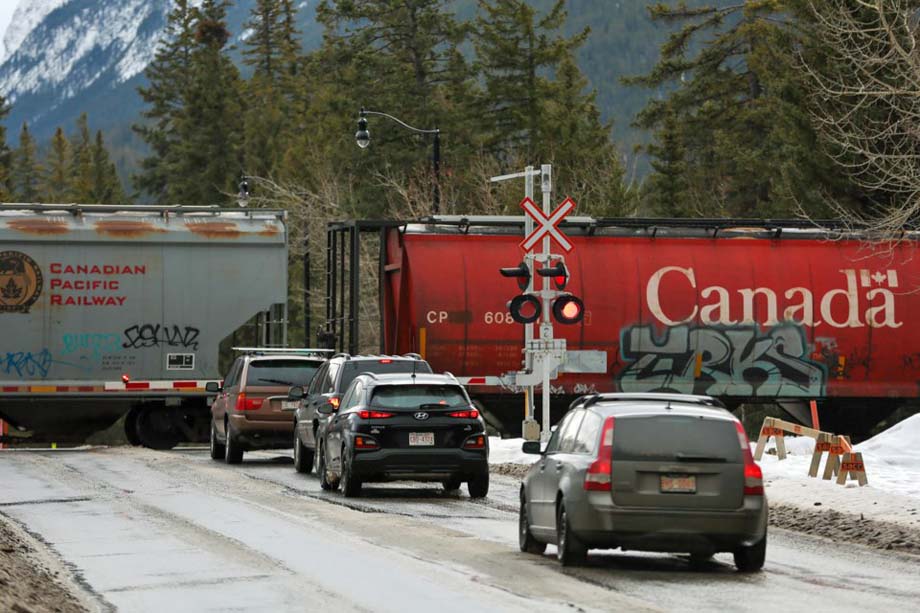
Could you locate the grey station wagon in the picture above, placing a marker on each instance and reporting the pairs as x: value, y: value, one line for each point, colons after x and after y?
x: 651, y: 472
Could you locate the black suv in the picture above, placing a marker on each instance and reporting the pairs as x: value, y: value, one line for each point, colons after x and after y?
x: 321, y: 399
x: 395, y: 427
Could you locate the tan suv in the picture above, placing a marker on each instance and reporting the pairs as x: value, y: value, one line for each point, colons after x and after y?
x: 241, y: 417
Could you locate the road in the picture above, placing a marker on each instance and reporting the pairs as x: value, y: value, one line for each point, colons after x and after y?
x: 176, y: 531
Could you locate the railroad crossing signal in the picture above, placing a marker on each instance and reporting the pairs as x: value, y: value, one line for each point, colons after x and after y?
x: 548, y: 224
x: 526, y: 308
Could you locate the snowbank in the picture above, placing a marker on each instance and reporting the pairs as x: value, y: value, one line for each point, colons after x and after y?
x: 508, y: 451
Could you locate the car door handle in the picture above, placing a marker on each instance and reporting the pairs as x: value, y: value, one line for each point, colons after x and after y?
x: 558, y: 468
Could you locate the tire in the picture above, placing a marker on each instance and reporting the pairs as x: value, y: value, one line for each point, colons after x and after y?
x: 569, y: 549
x: 155, y: 428
x: 526, y: 541
x: 218, y: 449
x: 351, y: 486
x: 323, y: 473
x: 232, y: 448
x: 303, y: 457
x: 751, y: 559
x: 478, y: 486
x: 452, y: 484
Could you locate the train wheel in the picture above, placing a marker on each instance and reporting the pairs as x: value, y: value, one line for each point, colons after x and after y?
x: 155, y: 428
x: 131, y: 427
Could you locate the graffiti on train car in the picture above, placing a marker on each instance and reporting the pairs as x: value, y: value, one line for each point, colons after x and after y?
x: 720, y: 361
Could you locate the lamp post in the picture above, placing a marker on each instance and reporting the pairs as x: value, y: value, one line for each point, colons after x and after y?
x: 363, y: 138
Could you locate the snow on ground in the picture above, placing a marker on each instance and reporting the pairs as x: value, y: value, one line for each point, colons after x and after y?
x: 892, y: 461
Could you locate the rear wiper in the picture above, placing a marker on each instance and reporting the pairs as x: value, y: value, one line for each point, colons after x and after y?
x: 278, y: 381
x: 689, y: 457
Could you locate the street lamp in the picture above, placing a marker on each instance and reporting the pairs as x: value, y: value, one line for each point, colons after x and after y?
x: 363, y: 139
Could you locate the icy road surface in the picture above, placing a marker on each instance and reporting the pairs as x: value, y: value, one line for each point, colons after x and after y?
x: 176, y: 531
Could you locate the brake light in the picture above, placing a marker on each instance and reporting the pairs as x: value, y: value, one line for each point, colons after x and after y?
x: 475, y: 442
x: 247, y: 404
x: 467, y: 414
x: 386, y: 361
x: 753, y: 476
x: 374, y: 414
x: 599, y: 474
x: 365, y: 442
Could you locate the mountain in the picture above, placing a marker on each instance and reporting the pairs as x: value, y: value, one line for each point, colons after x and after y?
x: 64, y: 57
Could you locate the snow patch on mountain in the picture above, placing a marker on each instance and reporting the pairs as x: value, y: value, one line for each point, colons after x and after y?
x: 64, y: 46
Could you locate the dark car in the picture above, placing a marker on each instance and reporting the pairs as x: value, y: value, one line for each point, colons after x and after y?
x: 326, y: 390
x: 242, y: 417
x: 405, y: 427
x: 648, y: 472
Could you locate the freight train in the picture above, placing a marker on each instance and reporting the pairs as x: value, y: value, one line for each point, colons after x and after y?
x: 109, y: 311
x: 750, y: 311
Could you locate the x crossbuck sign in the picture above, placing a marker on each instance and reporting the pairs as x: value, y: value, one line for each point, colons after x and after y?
x: 548, y: 225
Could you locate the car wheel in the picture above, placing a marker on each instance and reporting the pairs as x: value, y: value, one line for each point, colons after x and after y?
x: 233, y: 450
x: 351, y: 486
x: 478, y: 486
x: 452, y: 484
x: 570, y: 551
x: 751, y: 559
x: 526, y: 541
x: 217, y: 448
x: 324, y: 481
x: 303, y: 457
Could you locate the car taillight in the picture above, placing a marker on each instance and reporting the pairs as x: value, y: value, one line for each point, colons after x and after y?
x: 386, y: 361
x: 598, y: 475
x: 475, y: 442
x: 247, y: 404
x: 467, y: 414
x: 753, y: 476
x: 365, y: 442
x: 374, y: 414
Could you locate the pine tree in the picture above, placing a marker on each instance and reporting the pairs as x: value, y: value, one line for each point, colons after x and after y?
x: 106, y: 186
x: 56, y: 184
x: 169, y: 76
x: 736, y: 106
x: 517, y: 49
x: 81, y: 180
x: 6, y: 188
x: 27, y: 171
x: 206, y: 164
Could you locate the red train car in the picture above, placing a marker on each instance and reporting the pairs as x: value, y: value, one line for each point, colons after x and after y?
x: 747, y: 311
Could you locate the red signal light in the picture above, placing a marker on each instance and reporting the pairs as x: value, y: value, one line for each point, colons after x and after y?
x: 568, y: 309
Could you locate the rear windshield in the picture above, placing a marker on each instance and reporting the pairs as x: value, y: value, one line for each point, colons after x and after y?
x: 413, y: 396
x: 672, y: 437
x: 383, y: 366
x: 281, y: 372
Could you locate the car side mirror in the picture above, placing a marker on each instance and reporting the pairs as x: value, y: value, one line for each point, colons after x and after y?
x: 295, y: 392
x: 212, y: 387
x: 532, y: 447
x: 325, y: 409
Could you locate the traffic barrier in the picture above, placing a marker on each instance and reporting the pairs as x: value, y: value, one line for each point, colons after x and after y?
x: 842, y: 462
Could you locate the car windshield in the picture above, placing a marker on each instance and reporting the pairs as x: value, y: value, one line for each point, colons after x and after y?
x: 414, y: 396
x: 281, y: 372
x: 381, y: 366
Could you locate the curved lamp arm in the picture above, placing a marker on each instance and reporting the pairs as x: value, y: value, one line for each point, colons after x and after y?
x: 365, y: 112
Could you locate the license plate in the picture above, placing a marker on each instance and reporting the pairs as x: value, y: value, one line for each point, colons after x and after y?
x: 678, y: 484
x: 290, y: 405
x: 421, y: 439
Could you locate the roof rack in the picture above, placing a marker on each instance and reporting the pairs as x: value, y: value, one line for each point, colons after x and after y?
x: 347, y: 356
x: 652, y: 397
x: 414, y: 356
x: 287, y: 350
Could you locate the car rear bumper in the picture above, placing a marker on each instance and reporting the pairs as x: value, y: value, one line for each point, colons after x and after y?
x: 262, y: 434
x: 418, y: 464
x: 671, y: 530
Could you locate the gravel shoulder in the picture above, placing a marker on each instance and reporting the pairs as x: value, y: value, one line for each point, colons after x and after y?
x: 32, y: 578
